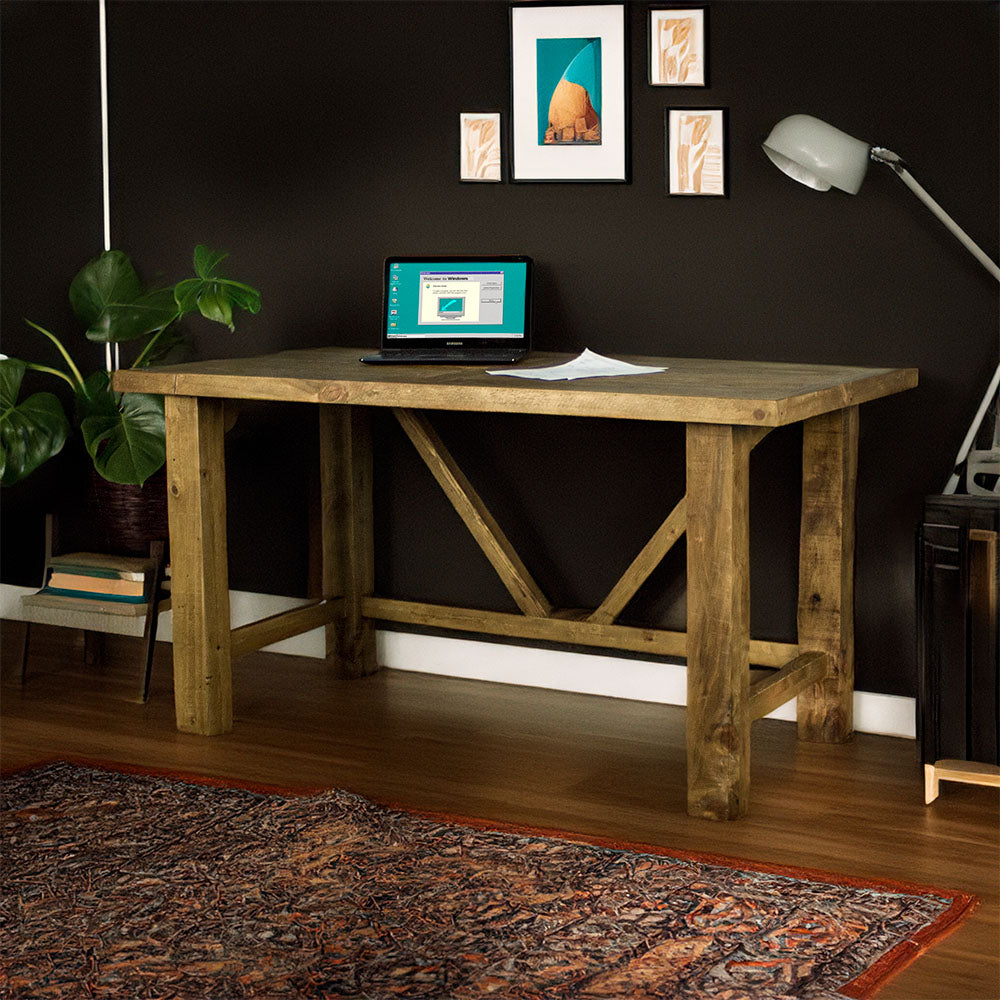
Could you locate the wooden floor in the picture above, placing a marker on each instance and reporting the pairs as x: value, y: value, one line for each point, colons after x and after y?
x: 565, y: 761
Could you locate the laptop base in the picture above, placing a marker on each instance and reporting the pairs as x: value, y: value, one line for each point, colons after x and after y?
x: 465, y: 357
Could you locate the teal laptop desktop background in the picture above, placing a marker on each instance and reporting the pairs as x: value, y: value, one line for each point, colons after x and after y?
x: 427, y: 299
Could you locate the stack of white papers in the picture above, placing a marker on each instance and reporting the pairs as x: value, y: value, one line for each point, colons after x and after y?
x: 587, y: 365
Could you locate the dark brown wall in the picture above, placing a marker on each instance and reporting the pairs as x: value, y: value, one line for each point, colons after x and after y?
x: 312, y: 139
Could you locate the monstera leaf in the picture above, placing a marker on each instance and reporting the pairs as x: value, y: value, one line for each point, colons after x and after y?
x: 32, y: 431
x: 211, y: 294
x: 109, y: 299
x: 123, y: 432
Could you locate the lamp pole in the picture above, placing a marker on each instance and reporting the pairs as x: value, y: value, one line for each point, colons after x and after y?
x: 898, y: 166
x: 892, y: 160
x: 815, y: 153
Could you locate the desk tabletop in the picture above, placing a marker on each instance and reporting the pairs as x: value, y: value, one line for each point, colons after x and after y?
x: 757, y: 393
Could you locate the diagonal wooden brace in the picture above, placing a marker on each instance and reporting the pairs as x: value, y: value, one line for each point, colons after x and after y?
x: 480, y: 522
x: 782, y: 685
x: 653, y: 552
x: 643, y: 565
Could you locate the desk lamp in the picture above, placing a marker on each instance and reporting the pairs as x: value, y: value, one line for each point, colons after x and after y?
x: 820, y: 156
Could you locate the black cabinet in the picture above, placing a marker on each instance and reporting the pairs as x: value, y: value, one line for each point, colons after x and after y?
x: 958, y: 578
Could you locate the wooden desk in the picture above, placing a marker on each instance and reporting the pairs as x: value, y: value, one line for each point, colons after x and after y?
x: 728, y: 407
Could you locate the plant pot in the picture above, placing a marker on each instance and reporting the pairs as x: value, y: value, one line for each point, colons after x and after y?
x: 127, y: 517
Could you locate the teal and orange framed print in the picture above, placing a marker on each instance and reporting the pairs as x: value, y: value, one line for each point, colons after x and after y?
x: 569, y: 93
x: 695, y: 151
x: 678, y: 54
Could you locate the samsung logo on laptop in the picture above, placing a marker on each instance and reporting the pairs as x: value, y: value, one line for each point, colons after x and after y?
x: 453, y: 343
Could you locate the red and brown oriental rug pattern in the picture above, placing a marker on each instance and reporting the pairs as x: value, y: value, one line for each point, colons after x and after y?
x: 131, y: 885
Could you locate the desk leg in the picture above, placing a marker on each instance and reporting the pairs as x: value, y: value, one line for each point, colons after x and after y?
x: 196, y: 503
x: 718, y: 620
x: 348, y: 557
x: 826, y: 572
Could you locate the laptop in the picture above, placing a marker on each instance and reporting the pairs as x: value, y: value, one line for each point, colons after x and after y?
x: 462, y: 310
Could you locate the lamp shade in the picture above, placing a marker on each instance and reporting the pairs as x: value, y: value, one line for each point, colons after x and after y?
x: 817, y: 155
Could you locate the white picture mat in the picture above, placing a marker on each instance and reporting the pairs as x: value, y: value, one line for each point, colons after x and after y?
x: 575, y: 162
x: 656, y: 17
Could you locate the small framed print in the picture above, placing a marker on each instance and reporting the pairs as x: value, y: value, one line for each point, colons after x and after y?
x: 480, y: 146
x: 695, y: 151
x: 569, y: 92
x: 677, y: 51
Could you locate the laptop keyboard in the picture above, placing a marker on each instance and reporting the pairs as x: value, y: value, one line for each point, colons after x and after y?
x: 466, y: 356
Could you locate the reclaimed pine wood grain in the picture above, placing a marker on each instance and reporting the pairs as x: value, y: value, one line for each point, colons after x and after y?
x: 196, y: 508
x: 728, y: 407
x: 475, y: 514
x: 718, y: 620
x: 639, y: 570
x: 826, y: 572
x: 325, y: 563
x: 770, y: 692
x: 283, y: 625
x: 347, y: 532
x: 651, y: 555
x: 567, y: 626
x: 763, y: 394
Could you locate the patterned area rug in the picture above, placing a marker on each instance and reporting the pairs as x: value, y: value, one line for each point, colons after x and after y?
x: 125, y: 886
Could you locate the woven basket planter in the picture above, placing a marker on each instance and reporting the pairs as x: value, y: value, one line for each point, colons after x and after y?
x: 126, y: 517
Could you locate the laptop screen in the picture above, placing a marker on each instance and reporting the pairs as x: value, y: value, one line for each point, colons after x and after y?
x: 457, y: 301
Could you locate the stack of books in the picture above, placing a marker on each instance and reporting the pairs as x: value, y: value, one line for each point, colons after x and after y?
x: 88, y: 581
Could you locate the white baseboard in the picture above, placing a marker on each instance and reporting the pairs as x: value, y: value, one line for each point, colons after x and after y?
x: 583, y: 673
x: 608, y: 676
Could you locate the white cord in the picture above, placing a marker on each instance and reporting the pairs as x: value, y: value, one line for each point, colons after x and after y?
x: 111, y: 363
x: 105, y: 164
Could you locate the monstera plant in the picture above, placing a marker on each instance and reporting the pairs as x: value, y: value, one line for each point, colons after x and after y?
x: 123, y: 432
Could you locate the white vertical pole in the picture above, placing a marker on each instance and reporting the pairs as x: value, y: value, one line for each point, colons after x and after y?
x: 110, y: 363
x: 104, y: 124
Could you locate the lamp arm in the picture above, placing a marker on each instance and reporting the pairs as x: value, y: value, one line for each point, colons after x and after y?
x: 892, y: 160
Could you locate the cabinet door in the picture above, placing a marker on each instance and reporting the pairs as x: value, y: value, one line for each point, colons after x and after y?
x: 942, y: 642
x: 984, y: 655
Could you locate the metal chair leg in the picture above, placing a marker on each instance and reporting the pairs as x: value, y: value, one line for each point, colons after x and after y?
x: 156, y: 552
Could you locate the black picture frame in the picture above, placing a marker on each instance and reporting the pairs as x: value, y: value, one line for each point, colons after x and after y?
x: 533, y: 158
x: 702, y: 171
x: 656, y: 78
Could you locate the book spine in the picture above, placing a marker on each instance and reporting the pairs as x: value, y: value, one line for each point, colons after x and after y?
x: 105, y: 572
x: 93, y: 595
x: 95, y: 584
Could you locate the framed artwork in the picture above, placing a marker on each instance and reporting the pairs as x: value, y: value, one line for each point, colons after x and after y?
x: 569, y: 100
x: 479, y: 158
x: 677, y: 51
x: 695, y: 151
